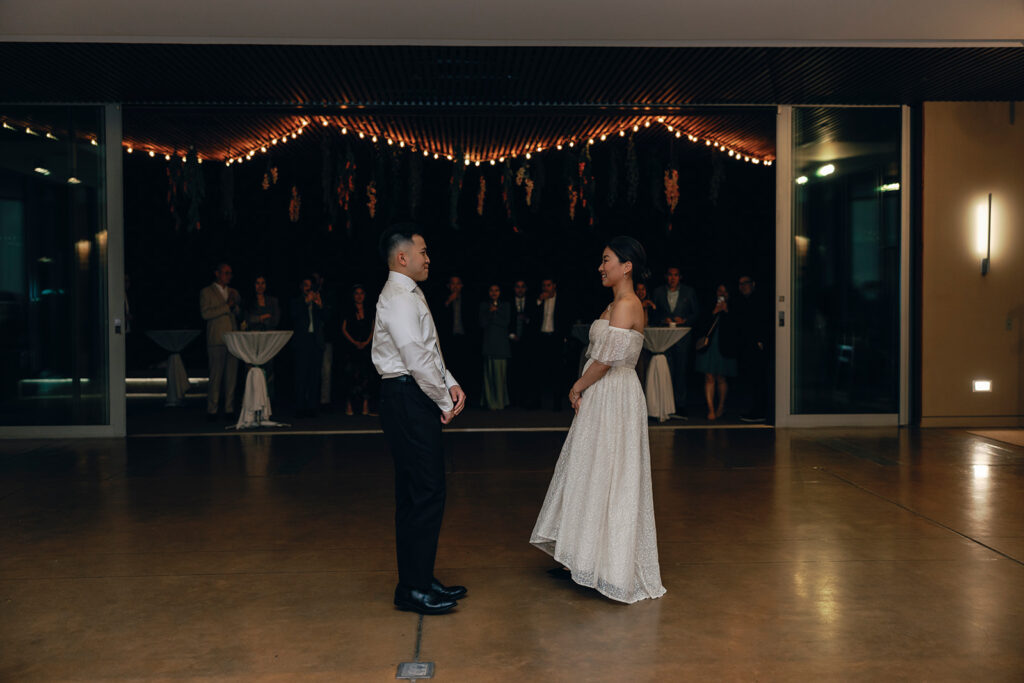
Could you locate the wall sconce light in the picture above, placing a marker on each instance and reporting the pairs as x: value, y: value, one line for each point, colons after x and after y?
x: 982, y: 385
x: 988, y: 240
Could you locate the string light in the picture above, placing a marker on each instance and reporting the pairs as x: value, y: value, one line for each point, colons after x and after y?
x: 468, y: 158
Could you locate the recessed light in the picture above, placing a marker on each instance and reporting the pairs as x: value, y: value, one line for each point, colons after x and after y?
x: 983, y: 385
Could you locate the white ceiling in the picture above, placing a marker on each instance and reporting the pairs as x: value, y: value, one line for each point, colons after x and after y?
x: 876, y: 23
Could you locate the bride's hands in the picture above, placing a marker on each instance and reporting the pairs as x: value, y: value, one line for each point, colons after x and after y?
x: 575, y: 398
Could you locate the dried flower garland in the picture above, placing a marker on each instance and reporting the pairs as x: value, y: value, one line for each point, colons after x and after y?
x: 480, y: 195
x: 371, y: 198
x: 295, y: 205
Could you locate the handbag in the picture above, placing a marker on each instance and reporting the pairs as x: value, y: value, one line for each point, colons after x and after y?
x: 704, y: 342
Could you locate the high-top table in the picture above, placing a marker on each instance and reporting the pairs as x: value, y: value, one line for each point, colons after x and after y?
x: 174, y: 342
x: 256, y: 349
x: 661, y: 401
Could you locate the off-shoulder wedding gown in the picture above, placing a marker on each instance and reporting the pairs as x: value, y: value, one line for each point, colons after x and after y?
x: 598, y: 515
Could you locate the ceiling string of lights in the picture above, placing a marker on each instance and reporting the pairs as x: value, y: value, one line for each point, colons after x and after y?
x: 525, y: 152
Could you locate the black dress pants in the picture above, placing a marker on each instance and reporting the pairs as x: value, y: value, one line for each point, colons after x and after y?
x: 412, y: 426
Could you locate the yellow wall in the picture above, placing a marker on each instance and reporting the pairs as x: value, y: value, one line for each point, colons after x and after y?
x: 972, y: 325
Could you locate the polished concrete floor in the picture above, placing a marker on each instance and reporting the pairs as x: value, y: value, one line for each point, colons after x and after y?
x: 788, y: 555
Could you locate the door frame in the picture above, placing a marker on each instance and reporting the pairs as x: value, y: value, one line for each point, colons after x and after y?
x: 784, y: 417
x: 113, y: 220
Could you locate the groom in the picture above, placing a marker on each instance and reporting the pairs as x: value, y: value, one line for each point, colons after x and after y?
x: 417, y: 396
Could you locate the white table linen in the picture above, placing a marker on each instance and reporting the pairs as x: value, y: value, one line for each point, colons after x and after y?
x: 256, y: 349
x: 174, y: 342
x: 661, y: 400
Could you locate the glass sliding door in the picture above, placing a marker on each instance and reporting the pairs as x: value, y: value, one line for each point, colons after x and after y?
x: 54, y: 298
x: 844, y: 276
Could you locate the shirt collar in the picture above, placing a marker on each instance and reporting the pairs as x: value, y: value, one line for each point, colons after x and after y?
x: 402, y: 280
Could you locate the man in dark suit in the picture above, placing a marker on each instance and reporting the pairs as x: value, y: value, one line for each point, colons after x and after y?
x: 456, y: 328
x: 552, y: 318
x: 676, y: 303
x: 754, y: 322
x: 308, y: 347
x: 521, y: 333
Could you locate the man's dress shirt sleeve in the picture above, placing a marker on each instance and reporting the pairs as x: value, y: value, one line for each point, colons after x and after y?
x: 412, y: 331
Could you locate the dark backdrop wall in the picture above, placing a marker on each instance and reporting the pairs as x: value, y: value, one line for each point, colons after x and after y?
x: 182, y: 220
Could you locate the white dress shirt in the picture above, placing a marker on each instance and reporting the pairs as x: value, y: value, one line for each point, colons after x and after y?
x: 405, y: 340
x: 673, y: 298
x: 547, y: 324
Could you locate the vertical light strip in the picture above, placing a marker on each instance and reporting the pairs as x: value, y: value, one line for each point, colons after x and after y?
x: 114, y: 214
x: 783, y: 263
x: 906, y: 183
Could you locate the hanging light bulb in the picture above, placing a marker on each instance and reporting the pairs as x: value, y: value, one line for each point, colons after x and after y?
x: 373, y: 139
x: 527, y: 155
x: 678, y: 134
x: 670, y: 128
x: 647, y: 124
x: 636, y: 129
x: 344, y: 130
x: 492, y: 162
x: 661, y: 119
x: 501, y: 159
x: 435, y: 155
x: 603, y: 137
x: 152, y: 153
x: 401, y: 143
x: 263, y: 149
x: 427, y: 154
x: 476, y: 163
x: 361, y: 136
x: 167, y: 157
x: 558, y: 146
x: 622, y: 133
x: 130, y: 150
x: 590, y: 141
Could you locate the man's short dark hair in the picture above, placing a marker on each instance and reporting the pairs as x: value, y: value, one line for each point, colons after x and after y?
x: 671, y: 266
x: 395, y: 236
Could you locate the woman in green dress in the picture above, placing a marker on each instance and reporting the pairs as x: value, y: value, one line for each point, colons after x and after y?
x: 495, y: 316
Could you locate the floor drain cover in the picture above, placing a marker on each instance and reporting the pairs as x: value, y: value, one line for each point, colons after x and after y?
x: 415, y: 670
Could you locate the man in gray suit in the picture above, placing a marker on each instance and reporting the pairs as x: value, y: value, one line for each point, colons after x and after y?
x: 677, y: 303
x: 220, y: 307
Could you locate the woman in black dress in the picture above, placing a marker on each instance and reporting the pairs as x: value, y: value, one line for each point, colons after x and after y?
x: 357, y: 331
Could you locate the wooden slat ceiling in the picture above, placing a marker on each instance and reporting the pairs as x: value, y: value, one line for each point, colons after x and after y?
x: 485, y: 101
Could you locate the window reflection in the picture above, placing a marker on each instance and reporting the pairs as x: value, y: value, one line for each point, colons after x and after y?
x: 53, y: 299
x: 846, y: 227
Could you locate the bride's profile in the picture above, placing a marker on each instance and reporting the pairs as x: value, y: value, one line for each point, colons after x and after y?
x: 598, y: 515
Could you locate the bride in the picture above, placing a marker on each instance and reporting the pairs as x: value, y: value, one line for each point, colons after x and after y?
x: 598, y: 515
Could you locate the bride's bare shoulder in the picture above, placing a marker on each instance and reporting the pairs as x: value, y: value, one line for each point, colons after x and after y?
x: 627, y: 312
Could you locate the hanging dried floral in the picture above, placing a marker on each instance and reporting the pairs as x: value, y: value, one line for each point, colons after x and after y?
x: 525, y: 181
x: 455, y: 189
x: 194, y: 188
x: 371, y: 198
x: 574, y: 196
x: 294, y: 205
x: 273, y: 174
x: 671, y: 188
x: 415, y: 183
x: 632, y: 172
x: 480, y: 194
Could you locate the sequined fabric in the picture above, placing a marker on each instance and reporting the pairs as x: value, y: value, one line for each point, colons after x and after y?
x: 598, y: 515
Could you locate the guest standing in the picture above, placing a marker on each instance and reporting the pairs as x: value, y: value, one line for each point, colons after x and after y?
x: 553, y: 319
x: 521, y: 341
x: 308, y: 346
x: 455, y: 327
x: 718, y: 359
x: 357, y: 331
x: 220, y: 306
x: 264, y: 314
x: 331, y: 327
x: 676, y: 304
x: 495, y: 316
x: 755, y: 327
x: 645, y: 356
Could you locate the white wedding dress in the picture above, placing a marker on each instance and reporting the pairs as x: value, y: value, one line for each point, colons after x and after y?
x: 598, y: 515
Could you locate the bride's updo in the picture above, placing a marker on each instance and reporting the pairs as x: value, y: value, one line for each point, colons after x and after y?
x: 628, y: 249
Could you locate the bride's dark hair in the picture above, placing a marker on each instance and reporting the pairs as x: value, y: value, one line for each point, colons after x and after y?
x: 628, y: 249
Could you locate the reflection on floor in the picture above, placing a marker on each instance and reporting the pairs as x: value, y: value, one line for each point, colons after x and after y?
x: 788, y: 555
x: 149, y: 416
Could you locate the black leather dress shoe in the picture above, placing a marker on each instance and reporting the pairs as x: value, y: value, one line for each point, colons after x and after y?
x: 449, y: 592
x: 430, y: 602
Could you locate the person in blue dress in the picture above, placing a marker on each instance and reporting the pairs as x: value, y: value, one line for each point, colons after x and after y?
x: 718, y: 359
